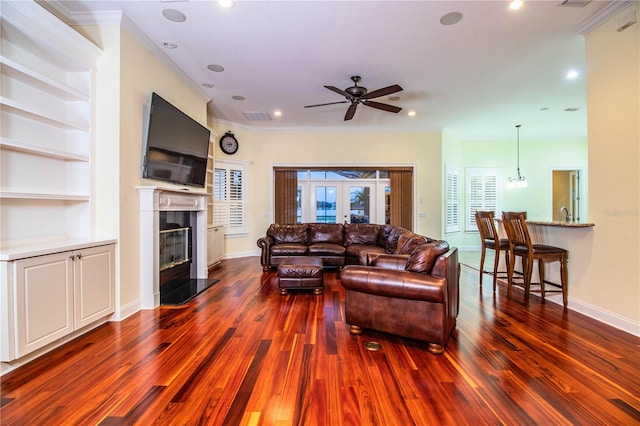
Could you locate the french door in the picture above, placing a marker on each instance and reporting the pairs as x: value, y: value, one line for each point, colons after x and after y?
x: 342, y: 202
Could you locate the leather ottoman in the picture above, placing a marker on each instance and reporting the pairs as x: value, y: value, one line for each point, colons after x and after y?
x: 300, y: 273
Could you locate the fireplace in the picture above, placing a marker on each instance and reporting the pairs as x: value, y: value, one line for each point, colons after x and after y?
x: 173, y: 246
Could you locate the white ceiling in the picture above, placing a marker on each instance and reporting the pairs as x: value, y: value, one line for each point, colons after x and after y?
x: 477, y: 79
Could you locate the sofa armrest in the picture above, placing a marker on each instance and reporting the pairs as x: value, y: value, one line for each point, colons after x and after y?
x: 394, y: 283
x: 447, y: 266
x: 392, y: 261
x: 265, y: 244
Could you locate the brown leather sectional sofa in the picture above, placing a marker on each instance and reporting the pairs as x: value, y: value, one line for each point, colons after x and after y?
x: 336, y: 243
x: 395, y: 280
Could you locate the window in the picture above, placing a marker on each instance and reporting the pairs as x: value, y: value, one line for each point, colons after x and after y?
x: 452, y: 201
x: 230, y: 196
x: 482, y: 194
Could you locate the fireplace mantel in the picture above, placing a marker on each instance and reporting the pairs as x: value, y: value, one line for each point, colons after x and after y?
x: 153, y: 200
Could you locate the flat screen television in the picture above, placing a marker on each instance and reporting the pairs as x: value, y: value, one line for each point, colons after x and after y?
x: 177, y: 146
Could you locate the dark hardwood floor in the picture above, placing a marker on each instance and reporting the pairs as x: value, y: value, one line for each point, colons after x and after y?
x: 240, y: 353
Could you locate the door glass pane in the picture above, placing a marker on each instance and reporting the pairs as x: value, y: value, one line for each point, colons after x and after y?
x: 359, y: 204
x: 387, y: 204
x: 326, y: 204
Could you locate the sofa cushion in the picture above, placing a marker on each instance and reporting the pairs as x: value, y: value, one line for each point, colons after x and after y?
x: 295, y: 233
x: 361, y: 233
x: 326, y: 233
x: 424, y: 257
x: 408, y: 241
x: 362, y: 252
x: 388, y: 237
x: 326, y: 249
x: 289, y: 249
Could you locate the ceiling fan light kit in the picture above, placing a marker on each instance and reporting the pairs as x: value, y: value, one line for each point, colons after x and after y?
x: 360, y: 95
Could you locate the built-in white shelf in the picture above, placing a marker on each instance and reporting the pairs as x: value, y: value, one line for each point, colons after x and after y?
x: 47, y: 72
x: 28, y: 111
x: 13, y: 69
x: 43, y: 196
x: 18, y: 146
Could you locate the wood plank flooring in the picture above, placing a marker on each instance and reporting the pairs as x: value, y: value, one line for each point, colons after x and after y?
x: 242, y: 354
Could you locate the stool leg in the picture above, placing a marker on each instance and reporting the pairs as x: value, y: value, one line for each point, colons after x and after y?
x: 564, y: 280
x: 541, y: 273
x: 511, y: 263
x: 495, y: 267
x: 482, y: 263
x: 527, y: 267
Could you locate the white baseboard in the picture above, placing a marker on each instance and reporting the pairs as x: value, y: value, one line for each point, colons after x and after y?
x: 126, y: 310
x: 598, y: 314
x: 237, y: 255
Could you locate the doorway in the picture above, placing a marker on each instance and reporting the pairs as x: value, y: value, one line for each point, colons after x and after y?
x: 566, y: 194
x: 342, y: 202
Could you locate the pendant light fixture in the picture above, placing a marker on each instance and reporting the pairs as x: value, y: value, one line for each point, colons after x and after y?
x: 517, y: 182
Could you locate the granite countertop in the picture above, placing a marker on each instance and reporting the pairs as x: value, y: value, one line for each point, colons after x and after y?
x: 562, y: 224
x: 558, y: 223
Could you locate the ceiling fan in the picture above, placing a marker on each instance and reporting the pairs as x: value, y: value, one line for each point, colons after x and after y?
x: 359, y: 95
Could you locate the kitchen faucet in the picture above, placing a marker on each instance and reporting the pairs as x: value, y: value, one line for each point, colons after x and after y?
x: 567, y: 217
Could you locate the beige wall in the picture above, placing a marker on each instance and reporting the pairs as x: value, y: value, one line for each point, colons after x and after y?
x: 263, y: 149
x: 612, y: 275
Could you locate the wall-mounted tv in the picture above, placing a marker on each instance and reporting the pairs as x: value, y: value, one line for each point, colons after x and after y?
x: 177, y: 146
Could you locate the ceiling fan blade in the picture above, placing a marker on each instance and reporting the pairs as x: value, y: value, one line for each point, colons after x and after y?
x: 382, y: 92
x: 384, y: 107
x: 351, y: 111
x: 339, y: 91
x: 330, y: 103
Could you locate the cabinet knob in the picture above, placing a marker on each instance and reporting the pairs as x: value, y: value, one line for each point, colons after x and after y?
x: 78, y: 256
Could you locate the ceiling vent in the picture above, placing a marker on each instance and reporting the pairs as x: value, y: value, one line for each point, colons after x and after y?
x: 574, y: 3
x: 257, y: 116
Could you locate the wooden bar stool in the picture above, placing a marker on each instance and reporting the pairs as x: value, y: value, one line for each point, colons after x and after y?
x: 520, y: 244
x: 489, y: 240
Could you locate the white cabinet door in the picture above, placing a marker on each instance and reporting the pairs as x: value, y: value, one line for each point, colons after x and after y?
x: 94, y: 284
x: 215, y: 245
x: 44, y: 296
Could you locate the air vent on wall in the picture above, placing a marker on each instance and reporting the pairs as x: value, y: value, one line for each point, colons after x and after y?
x: 574, y: 3
x: 257, y: 116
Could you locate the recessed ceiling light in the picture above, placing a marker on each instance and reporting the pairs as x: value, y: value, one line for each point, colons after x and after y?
x: 169, y: 45
x: 226, y: 4
x: 215, y: 67
x: 451, y: 18
x: 394, y: 98
x: 411, y: 113
x: 573, y: 74
x: 516, y: 4
x: 277, y: 113
x: 238, y: 98
x: 174, y: 15
x: 207, y: 85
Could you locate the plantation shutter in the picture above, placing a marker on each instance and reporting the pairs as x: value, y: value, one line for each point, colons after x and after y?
x: 229, y: 197
x: 452, y: 202
x: 482, y: 194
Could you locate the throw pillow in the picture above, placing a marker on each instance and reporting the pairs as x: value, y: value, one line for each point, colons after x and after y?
x: 424, y: 257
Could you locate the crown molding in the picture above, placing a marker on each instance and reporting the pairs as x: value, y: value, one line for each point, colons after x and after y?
x: 602, y: 16
x: 119, y: 18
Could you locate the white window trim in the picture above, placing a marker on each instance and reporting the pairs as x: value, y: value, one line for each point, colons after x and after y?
x: 487, y: 198
x: 452, y: 200
x: 229, y: 166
